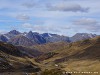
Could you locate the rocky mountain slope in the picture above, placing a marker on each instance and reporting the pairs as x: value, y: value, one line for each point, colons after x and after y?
x: 82, y: 36
x: 21, y: 41
x: 3, y: 38
x: 55, y: 37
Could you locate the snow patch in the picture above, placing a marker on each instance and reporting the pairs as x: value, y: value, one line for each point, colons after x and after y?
x: 49, y: 35
x: 6, y: 37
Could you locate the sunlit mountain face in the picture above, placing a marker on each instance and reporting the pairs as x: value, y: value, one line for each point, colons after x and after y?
x: 49, y: 37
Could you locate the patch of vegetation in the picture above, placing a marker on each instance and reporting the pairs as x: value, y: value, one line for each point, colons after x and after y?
x: 45, y: 56
x: 52, y: 72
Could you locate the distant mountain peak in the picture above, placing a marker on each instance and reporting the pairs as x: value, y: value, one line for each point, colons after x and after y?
x: 30, y: 32
x: 46, y: 35
x: 49, y: 35
x: 82, y: 36
x: 33, y: 33
x: 15, y: 32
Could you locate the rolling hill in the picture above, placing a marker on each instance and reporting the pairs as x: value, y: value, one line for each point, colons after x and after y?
x: 81, y: 56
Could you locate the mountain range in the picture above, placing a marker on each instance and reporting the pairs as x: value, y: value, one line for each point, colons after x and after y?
x: 34, y: 38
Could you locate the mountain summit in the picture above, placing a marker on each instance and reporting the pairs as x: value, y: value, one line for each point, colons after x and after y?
x: 82, y: 36
x: 14, y: 32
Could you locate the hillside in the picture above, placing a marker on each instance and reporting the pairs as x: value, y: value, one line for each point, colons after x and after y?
x: 14, y: 60
x: 85, y: 49
x: 49, y: 46
x: 81, y: 56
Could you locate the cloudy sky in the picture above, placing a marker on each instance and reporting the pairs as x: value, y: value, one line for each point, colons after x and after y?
x: 65, y: 17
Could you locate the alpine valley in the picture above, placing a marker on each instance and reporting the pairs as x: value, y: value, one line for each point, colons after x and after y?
x: 32, y: 53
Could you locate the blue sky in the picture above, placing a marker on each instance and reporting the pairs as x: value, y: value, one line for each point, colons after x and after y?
x: 65, y: 17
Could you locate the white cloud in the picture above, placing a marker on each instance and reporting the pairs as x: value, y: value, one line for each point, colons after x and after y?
x: 3, y: 31
x: 45, y: 28
x: 29, y: 5
x: 88, y: 24
x: 67, y: 7
x: 85, y: 21
x: 23, y: 17
x: 27, y: 25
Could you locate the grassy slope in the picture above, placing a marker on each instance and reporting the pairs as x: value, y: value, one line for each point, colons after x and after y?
x: 78, y: 56
x: 11, y: 61
x: 49, y: 46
